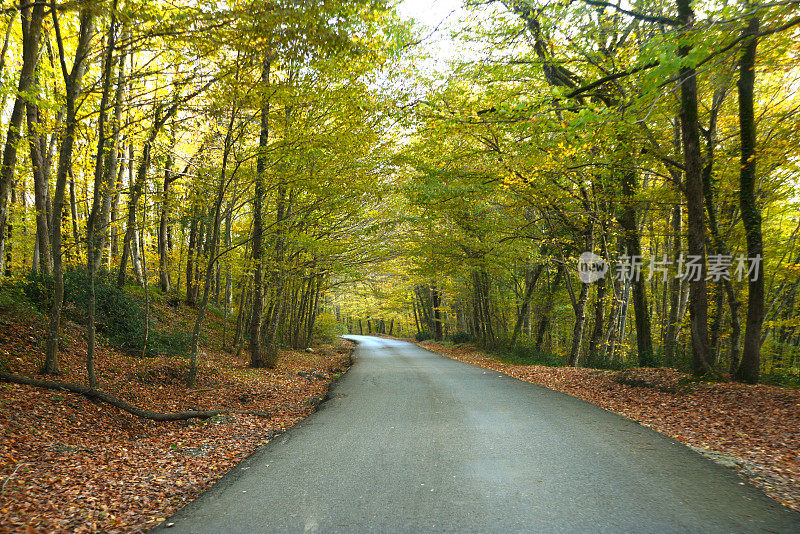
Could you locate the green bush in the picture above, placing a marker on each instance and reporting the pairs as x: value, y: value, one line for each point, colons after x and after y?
x: 787, y: 378
x: 525, y: 354
x: 119, y: 312
x: 423, y: 336
x: 15, y: 301
x: 460, y: 337
x: 326, y: 327
x: 38, y: 287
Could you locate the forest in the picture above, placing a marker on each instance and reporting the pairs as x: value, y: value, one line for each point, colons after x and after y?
x: 273, y: 160
x: 197, y: 199
x: 658, y: 137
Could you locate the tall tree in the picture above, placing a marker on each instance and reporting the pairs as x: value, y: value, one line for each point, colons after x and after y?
x: 751, y: 214
x: 31, y: 18
x: 73, y: 84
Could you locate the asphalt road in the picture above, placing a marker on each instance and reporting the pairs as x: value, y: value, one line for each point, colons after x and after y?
x: 410, y: 441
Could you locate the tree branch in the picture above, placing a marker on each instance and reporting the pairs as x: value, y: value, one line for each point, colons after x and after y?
x: 659, y: 19
x: 121, y: 404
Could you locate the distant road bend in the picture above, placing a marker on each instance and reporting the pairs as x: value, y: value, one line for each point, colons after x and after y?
x: 414, y: 442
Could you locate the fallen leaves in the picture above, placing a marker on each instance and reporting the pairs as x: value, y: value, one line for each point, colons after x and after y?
x: 71, y: 465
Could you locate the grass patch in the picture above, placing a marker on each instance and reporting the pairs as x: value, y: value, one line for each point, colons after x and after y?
x: 787, y: 379
x: 523, y: 354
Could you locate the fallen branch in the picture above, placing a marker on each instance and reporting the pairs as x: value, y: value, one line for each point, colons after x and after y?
x: 121, y: 404
x: 193, y: 391
x: 10, y: 477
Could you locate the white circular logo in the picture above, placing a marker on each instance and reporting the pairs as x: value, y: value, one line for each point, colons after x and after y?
x: 591, y: 267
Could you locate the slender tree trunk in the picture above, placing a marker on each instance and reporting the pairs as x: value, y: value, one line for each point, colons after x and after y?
x: 161, y: 116
x: 41, y: 186
x: 544, y: 321
x: 73, y: 211
x: 109, y: 209
x: 212, y: 256
x: 6, y: 41
x: 145, y: 277
x: 724, y: 286
x: 129, y: 246
x: 630, y: 226
x: 94, y: 248
x: 244, y: 298
x: 228, y: 278
x: 31, y: 35
x: 283, y: 210
x: 596, y: 339
x: 163, y: 222
x: 114, y: 218
x: 437, y: 313
x: 73, y: 82
x: 578, y: 327
x: 193, y: 229
x: 751, y: 214
x: 163, y: 256
x: 530, y: 284
x: 698, y: 294
x: 257, y: 357
x: 671, y: 335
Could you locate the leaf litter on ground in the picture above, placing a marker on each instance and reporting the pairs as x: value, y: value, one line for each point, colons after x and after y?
x: 68, y: 464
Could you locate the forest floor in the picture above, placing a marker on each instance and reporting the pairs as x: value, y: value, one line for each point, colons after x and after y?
x: 68, y: 464
x: 752, y: 429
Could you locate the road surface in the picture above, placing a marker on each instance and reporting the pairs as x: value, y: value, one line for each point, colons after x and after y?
x: 410, y: 441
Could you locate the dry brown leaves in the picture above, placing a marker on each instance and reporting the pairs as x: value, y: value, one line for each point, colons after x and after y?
x: 758, y: 426
x: 71, y: 465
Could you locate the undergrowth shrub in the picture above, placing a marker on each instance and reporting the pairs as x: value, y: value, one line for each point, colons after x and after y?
x: 423, y: 336
x: 461, y: 337
x: 787, y: 378
x: 120, y: 313
x: 326, y: 327
x: 38, y: 287
x: 525, y: 354
x: 14, y: 301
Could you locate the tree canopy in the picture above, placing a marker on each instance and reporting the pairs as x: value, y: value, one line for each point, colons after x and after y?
x: 297, y: 166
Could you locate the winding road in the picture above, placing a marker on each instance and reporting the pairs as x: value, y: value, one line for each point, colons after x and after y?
x: 410, y: 441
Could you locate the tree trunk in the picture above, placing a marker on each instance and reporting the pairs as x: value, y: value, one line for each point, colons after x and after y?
x: 751, y: 214
x: 73, y: 82
x: 283, y: 210
x: 129, y: 245
x: 73, y: 211
x: 41, y: 186
x: 163, y: 222
x: 121, y: 404
x: 257, y: 357
x: 577, y: 329
x: 31, y: 35
x: 630, y: 226
x: 161, y: 116
x: 193, y: 229
x: 530, y: 284
x: 673, y: 323
x: 212, y: 256
x: 437, y: 313
x: 596, y: 339
x: 109, y: 210
x: 698, y: 295
x: 94, y: 248
x: 544, y: 321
